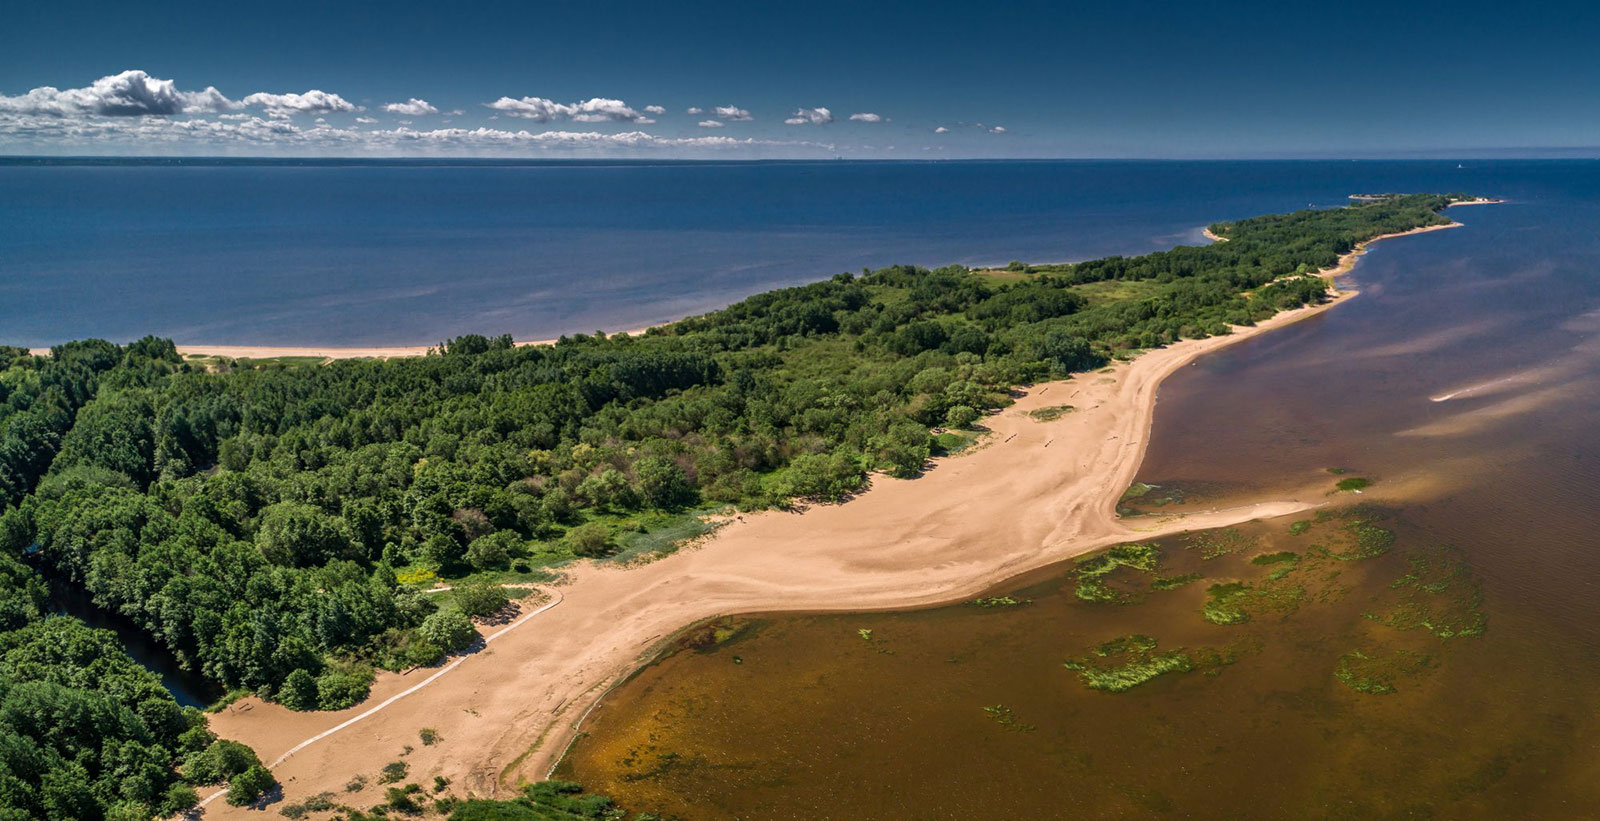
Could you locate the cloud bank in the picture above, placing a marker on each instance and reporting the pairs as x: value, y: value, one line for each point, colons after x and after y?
x: 411, y: 108
x: 810, y: 116
x: 596, y: 110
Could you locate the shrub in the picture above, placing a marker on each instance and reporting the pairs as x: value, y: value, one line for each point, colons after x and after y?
x: 591, y: 539
x: 478, y: 599
x: 338, y: 690
x: 219, y: 762
x: 492, y: 551
x: 449, y: 629
x: 961, y: 416
x: 250, y: 785
x: 393, y: 772
x: 299, y: 691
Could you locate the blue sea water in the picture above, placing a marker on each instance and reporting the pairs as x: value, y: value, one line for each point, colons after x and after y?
x: 230, y: 252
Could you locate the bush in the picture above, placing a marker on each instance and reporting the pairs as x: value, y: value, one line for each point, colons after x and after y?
x: 336, y: 691
x: 299, y: 691
x: 250, y: 785
x: 479, y: 599
x: 393, y: 772
x: 492, y: 551
x: 961, y: 416
x: 592, y: 539
x: 219, y: 762
x: 448, y: 629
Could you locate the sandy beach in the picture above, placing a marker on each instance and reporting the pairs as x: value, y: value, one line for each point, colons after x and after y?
x: 1037, y: 493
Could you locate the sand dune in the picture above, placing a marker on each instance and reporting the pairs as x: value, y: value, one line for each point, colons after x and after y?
x: 1038, y: 493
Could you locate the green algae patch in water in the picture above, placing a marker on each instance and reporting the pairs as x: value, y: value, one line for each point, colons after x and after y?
x: 1094, y: 571
x: 1003, y: 716
x: 1376, y: 673
x: 1000, y: 601
x: 1124, y: 663
x: 1174, y: 582
x: 1223, y: 603
x: 1354, y: 483
x: 1214, y: 544
x: 1440, y: 594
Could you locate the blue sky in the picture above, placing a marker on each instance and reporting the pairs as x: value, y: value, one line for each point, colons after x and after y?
x: 1129, y: 79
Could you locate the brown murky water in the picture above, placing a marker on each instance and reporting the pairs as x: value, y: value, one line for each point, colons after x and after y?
x: 1451, y: 671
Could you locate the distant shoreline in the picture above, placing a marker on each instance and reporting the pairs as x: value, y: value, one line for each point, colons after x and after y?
x: 335, y: 352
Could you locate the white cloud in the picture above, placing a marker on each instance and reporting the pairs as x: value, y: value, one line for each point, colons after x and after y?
x: 311, y: 102
x: 596, y: 110
x: 999, y: 129
x: 365, y: 120
x: 941, y: 130
x: 733, y: 113
x: 810, y: 116
x: 711, y: 123
x: 694, y: 109
x: 281, y: 136
x: 868, y: 117
x: 655, y: 110
x: 131, y: 93
x: 411, y: 108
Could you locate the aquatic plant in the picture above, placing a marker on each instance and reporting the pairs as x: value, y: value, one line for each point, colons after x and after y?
x: 1376, y: 673
x: 1297, y: 528
x: 1000, y: 601
x: 1173, y: 582
x: 1003, y: 716
x: 1439, y: 594
x: 1222, y: 606
x: 1353, y: 483
x: 1214, y: 544
x: 1092, y: 571
x: 1140, y: 663
x: 865, y: 634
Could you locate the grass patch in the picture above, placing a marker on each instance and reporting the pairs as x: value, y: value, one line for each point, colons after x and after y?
x: 1051, y: 413
x: 659, y: 535
x: 952, y: 442
x: 1124, y: 663
x: 1094, y: 571
x: 1137, y: 490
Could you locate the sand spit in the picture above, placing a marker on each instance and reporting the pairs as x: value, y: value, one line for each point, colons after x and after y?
x: 1039, y: 493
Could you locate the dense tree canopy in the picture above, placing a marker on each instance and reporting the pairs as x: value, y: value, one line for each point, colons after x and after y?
x: 278, y: 527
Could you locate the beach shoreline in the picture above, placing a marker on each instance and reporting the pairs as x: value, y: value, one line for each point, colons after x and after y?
x: 1038, y: 494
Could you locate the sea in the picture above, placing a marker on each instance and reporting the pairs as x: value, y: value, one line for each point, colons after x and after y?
x: 362, y: 253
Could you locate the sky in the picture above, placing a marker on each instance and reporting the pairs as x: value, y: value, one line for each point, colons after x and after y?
x: 739, y: 80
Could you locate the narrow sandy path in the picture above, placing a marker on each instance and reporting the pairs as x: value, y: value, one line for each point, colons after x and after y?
x: 1037, y: 493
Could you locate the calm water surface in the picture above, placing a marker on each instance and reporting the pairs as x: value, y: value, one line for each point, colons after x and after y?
x: 412, y: 254
x: 965, y: 711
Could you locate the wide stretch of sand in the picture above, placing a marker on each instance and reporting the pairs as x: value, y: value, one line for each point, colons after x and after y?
x: 1034, y: 494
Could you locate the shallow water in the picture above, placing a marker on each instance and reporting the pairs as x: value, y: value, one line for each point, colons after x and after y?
x: 1497, y: 482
